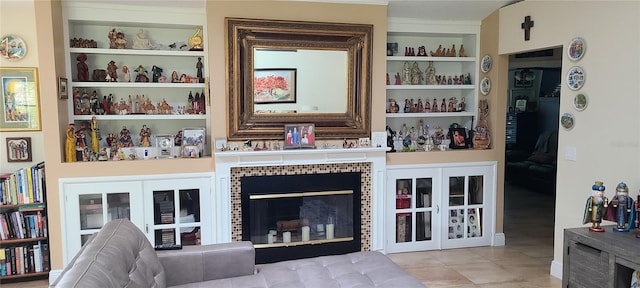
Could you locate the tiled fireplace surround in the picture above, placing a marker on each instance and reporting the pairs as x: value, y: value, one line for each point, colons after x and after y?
x: 232, y: 166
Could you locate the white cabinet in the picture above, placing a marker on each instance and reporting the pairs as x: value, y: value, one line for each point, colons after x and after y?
x: 440, y: 206
x: 168, y: 208
x: 171, y: 100
x: 459, y: 76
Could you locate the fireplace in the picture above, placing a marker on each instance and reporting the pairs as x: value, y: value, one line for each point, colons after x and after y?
x: 300, y: 216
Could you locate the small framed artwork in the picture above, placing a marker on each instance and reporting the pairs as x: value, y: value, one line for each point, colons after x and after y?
x: 274, y: 86
x: 19, y: 149
x: 190, y: 151
x: 458, y: 138
x: 193, y: 140
x: 62, y: 88
x: 299, y: 136
x: 20, y: 110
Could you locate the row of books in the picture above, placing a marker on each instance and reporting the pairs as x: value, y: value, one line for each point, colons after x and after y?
x: 25, y: 186
x: 24, y: 259
x: 32, y: 223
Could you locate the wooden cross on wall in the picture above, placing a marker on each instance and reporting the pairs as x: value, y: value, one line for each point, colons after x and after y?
x: 526, y: 25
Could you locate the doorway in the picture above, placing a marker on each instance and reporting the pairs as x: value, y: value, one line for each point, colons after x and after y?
x: 531, y: 143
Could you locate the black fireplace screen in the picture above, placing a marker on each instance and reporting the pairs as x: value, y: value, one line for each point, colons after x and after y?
x: 298, y: 216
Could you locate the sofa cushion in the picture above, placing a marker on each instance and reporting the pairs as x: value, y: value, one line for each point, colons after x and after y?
x: 358, y: 269
x: 119, y: 256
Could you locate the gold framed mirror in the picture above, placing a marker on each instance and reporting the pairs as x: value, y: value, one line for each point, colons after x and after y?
x: 284, y: 72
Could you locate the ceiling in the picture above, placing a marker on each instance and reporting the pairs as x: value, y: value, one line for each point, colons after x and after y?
x: 449, y: 10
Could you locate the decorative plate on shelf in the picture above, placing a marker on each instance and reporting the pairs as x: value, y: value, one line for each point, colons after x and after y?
x: 485, y: 86
x: 580, y: 102
x: 576, y: 49
x: 485, y: 66
x: 13, y: 47
x: 567, y: 121
x: 575, y: 78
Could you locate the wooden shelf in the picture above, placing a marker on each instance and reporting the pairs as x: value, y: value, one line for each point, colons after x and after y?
x: 25, y: 275
x: 25, y: 240
x: 430, y: 58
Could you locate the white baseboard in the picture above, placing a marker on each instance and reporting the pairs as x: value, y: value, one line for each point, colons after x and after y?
x: 556, y: 269
x: 53, y: 275
x: 499, y: 239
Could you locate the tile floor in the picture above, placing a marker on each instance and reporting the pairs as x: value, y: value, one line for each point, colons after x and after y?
x: 523, y: 263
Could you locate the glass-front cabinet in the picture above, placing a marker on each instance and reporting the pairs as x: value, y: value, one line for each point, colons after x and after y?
x: 175, y: 211
x: 416, y: 207
x: 434, y: 207
x: 91, y: 205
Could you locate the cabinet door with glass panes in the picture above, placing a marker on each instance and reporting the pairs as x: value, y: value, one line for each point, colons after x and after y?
x: 413, y: 196
x: 468, y: 206
x: 90, y: 205
x: 174, y: 211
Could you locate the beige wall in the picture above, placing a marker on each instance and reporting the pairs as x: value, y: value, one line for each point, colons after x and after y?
x: 604, y: 135
x: 497, y: 104
x: 301, y: 11
x: 18, y: 18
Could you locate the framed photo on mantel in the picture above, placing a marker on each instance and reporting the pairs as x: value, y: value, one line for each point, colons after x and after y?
x: 299, y: 136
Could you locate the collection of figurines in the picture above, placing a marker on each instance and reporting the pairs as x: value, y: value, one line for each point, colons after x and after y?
x: 427, y: 138
x: 84, y: 143
x: 111, y: 74
x: 85, y: 104
x: 118, y: 40
x: 422, y: 51
x: 411, y: 106
x: 413, y: 75
x: 621, y: 209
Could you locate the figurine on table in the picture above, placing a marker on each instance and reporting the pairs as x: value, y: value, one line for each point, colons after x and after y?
x: 621, y: 209
x: 595, y: 208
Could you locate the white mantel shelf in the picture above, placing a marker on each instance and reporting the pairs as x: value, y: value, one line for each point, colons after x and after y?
x: 298, y: 156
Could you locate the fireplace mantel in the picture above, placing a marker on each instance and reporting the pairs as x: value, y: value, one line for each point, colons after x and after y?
x: 227, y: 160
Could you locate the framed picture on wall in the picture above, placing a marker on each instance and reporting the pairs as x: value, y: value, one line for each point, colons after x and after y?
x: 20, y: 110
x: 277, y: 85
x: 19, y: 149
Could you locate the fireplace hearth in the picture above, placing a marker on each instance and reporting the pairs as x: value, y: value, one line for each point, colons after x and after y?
x: 300, y: 216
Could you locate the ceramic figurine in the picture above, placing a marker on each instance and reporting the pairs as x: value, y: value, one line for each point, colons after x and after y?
x: 443, y: 106
x: 70, y: 144
x: 95, y: 143
x: 156, y: 73
x: 142, y: 74
x: 437, y: 53
x: 141, y: 41
x: 195, y: 41
x: 83, y: 68
x: 397, y: 79
x: 416, y: 74
x: 406, y: 74
x: 461, y: 52
x: 145, y: 134
x: 388, y: 80
x: 638, y: 216
x: 422, y: 51
x: 621, y: 209
x: 427, y: 105
x: 393, y: 106
x: 431, y: 74
x: 126, y: 77
x: 200, y: 66
x: 434, y: 108
x: 595, y: 208
x: 112, y: 71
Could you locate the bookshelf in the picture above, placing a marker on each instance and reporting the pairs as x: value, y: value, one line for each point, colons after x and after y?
x: 24, y: 242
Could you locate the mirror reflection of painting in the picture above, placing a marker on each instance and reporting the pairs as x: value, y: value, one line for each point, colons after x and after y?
x: 15, y: 99
x: 274, y: 85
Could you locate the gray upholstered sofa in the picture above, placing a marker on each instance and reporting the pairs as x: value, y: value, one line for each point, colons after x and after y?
x: 121, y: 256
